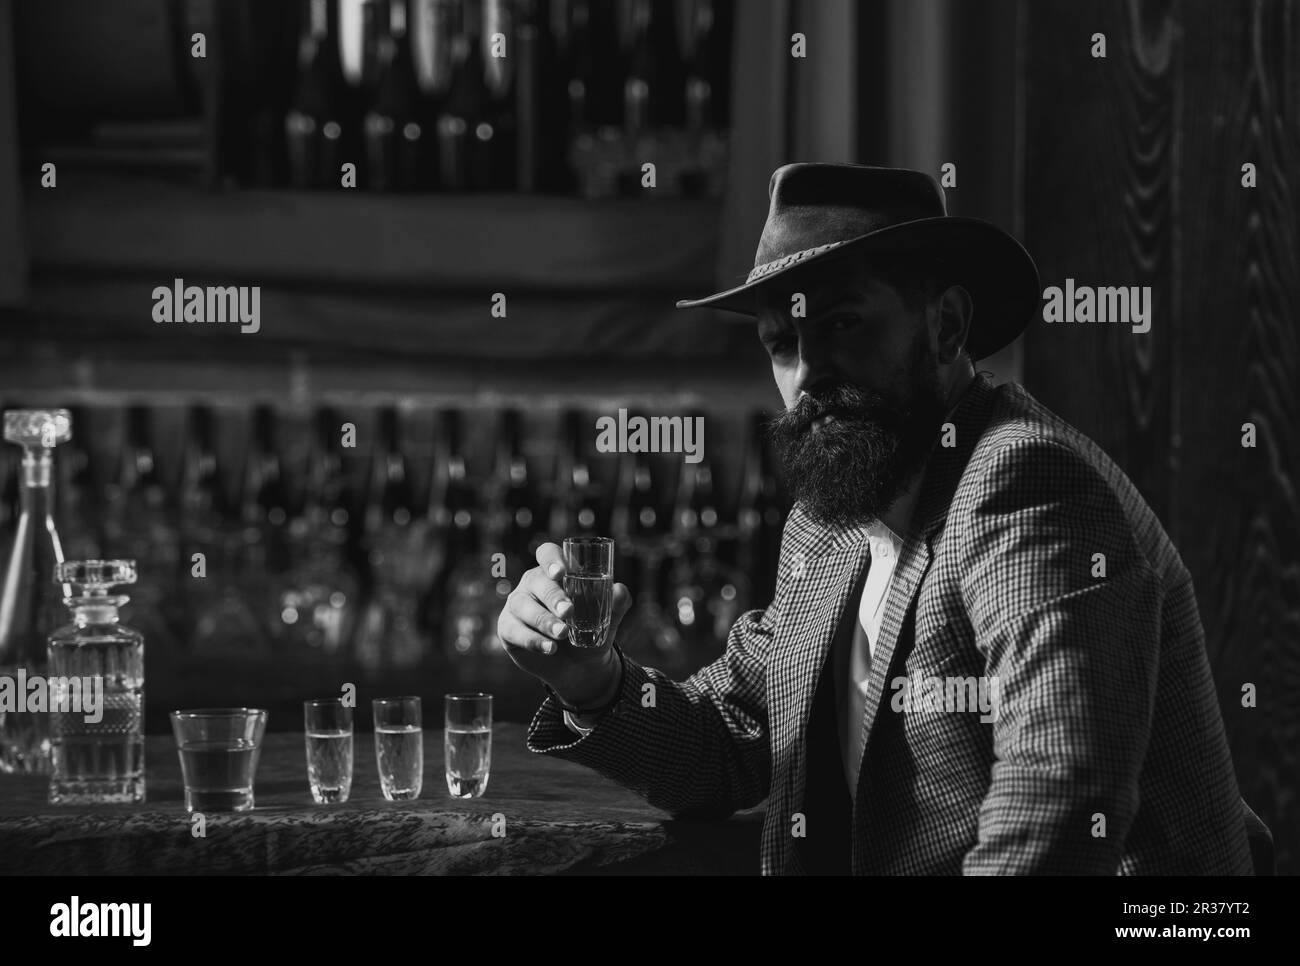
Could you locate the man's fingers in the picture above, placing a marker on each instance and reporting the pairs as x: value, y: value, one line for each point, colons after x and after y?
x: 547, y: 591
x: 550, y: 560
x: 515, y: 633
x: 536, y: 617
x: 622, y: 604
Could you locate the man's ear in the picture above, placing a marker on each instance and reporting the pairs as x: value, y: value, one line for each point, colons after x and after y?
x: 955, y: 309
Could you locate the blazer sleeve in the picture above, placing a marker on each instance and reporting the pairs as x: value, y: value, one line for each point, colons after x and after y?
x: 1074, y: 654
x: 696, y: 748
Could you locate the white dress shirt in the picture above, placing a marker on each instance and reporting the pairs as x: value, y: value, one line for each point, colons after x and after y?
x: 885, y: 546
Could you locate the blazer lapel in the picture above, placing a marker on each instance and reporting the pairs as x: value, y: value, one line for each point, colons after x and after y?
x: 942, y: 474
x: 832, y: 575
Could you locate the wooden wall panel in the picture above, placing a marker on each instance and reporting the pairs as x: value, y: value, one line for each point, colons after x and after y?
x: 1098, y: 176
x: 1237, y: 510
x: 1134, y: 177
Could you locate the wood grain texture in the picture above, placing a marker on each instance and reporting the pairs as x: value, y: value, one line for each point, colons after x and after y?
x: 1237, y: 512
x: 559, y: 818
x: 1134, y: 177
x: 1099, y: 184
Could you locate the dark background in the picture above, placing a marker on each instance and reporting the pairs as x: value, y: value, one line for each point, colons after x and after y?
x: 1121, y: 171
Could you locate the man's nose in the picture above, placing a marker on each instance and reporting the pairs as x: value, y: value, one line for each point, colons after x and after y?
x: 816, y: 370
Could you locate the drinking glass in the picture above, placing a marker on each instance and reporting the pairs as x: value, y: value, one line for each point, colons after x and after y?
x: 589, y: 584
x: 328, y: 730
x: 467, y: 743
x: 399, y: 747
x: 219, y: 748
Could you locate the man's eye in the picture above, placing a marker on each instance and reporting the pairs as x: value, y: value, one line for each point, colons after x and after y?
x: 778, y: 344
x: 841, y: 322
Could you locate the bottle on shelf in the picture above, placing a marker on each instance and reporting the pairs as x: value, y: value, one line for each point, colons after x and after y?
x: 641, y: 532
x: 511, y: 532
x: 519, y: 507
x: 29, y: 603
x: 432, y: 27
x: 539, y: 102
x: 316, y: 134
x: 373, y: 47
x: 501, y: 74
x: 395, y: 125
x: 590, y: 58
x: 140, y: 524
x: 708, y: 591
x: 317, y: 598
x: 653, y: 96
x: 401, y: 566
x: 229, y: 592
x: 703, y: 32
x: 468, y: 142
x: 97, y: 761
x: 577, y: 509
x: 470, y: 588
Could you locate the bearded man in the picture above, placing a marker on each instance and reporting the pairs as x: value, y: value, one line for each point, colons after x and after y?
x: 983, y: 654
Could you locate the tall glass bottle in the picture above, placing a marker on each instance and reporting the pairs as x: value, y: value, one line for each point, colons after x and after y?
x: 139, y: 525
x: 400, y: 565
x: 98, y: 666
x: 315, y: 127
x: 709, y: 592
x: 394, y: 124
x: 318, y: 595
x: 653, y: 89
x: 518, y: 508
x: 469, y: 585
x: 639, y: 525
x: 704, y: 38
x: 576, y: 507
x: 592, y: 70
x: 29, y: 604
x: 468, y: 145
x: 501, y: 74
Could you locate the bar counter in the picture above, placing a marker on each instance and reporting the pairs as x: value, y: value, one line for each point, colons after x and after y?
x: 548, y: 816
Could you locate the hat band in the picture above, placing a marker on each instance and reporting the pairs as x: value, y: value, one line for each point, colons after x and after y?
x: 785, y: 261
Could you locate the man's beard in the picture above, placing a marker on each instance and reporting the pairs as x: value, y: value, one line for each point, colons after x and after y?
x: 852, y: 469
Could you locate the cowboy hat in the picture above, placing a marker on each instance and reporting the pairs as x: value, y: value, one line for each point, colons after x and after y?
x: 819, y: 212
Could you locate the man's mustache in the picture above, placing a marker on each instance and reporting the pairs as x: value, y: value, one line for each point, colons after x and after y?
x: 843, y: 402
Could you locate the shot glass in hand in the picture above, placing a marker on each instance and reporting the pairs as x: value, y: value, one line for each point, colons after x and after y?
x: 467, y: 743
x: 328, y: 727
x: 589, y: 584
x: 399, y: 747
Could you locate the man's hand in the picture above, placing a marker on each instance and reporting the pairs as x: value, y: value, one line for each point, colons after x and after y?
x: 532, y: 625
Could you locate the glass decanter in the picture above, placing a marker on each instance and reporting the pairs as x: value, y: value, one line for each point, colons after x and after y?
x: 29, y: 604
x: 97, y: 675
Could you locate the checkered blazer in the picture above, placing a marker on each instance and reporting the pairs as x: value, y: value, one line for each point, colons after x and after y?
x: 1108, y: 753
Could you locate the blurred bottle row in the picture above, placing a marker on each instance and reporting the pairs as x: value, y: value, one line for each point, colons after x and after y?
x: 564, y: 96
x: 385, y: 539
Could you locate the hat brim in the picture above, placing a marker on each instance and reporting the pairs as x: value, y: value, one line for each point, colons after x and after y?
x: 995, y: 268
